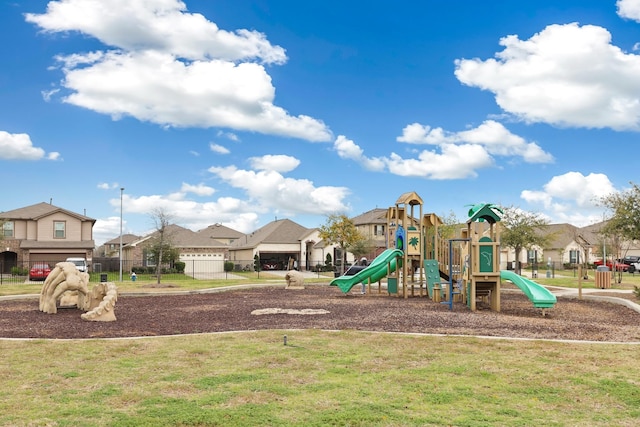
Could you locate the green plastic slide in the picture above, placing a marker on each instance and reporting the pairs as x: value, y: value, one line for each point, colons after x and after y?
x: 538, y: 294
x: 374, y: 271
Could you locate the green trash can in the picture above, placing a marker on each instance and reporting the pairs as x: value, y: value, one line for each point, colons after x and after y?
x: 392, y: 285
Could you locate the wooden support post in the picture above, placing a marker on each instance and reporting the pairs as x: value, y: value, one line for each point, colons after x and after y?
x: 579, y: 282
x: 437, y: 297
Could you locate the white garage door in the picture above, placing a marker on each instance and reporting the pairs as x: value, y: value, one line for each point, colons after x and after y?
x: 203, y: 266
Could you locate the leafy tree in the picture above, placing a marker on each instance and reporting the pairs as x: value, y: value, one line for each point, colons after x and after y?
x: 362, y: 247
x: 328, y: 263
x: 256, y: 264
x: 625, y: 220
x: 624, y: 223
x: 448, y: 228
x: 584, y: 246
x: 169, y: 255
x: 450, y: 225
x: 341, y: 231
x: 522, y: 230
x: 161, y: 249
x: 179, y: 266
x: 228, y: 266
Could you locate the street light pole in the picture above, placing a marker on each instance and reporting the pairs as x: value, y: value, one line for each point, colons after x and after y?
x: 120, y: 253
x: 604, y: 246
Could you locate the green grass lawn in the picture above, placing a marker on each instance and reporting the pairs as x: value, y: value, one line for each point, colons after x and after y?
x: 319, y: 378
x: 148, y: 283
x: 569, y: 279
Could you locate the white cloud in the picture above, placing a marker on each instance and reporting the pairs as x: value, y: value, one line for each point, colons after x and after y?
x: 172, y: 68
x: 492, y: 135
x: 162, y: 25
x: 454, y: 162
x: 585, y: 190
x: 416, y: 133
x: 105, y: 229
x: 629, y: 9
x: 347, y: 149
x: 500, y: 142
x: 277, y: 163
x: 48, y: 94
x: 216, y: 148
x: 229, y: 135
x: 191, y: 214
x: 18, y: 146
x: 107, y: 186
x: 572, y: 197
x: 565, y: 75
x: 270, y: 190
x: 266, y: 191
x: 537, y: 198
x: 199, y: 190
x: 457, y: 155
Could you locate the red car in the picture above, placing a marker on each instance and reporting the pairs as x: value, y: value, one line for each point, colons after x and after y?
x: 620, y: 266
x: 39, y: 271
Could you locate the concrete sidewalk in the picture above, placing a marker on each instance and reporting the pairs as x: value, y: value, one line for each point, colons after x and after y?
x: 592, y: 294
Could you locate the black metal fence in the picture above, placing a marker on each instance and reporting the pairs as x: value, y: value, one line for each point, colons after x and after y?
x: 101, y: 270
x: 108, y: 269
x: 550, y: 270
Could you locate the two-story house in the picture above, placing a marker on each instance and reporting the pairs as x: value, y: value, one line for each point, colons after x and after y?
x: 372, y: 225
x: 111, y: 249
x: 44, y: 233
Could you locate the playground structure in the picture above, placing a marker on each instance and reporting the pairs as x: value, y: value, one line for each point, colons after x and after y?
x: 406, y: 232
x: 483, y: 235
x: 419, y: 257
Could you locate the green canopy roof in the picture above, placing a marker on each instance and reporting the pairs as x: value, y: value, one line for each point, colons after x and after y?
x: 485, y: 212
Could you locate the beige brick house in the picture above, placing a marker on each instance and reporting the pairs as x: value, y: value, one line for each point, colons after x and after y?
x: 201, y: 253
x: 373, y: 226
x: 44, y: 233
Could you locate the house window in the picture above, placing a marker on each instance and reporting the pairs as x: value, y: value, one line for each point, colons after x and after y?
x: 532, y: 255
x: 378, y: 230
x: 148, y: 258
x: 574, y: 256
x: 7, y: 229
x: 59, y: 229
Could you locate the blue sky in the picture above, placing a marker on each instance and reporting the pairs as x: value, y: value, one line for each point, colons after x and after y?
x: 239, y: 112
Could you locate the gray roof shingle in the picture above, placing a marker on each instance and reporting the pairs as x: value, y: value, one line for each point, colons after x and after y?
x: 181, y: 237
x: 219, y: 231
x: 282, y: 231
x: 374, y: 216
x: 39, y: 210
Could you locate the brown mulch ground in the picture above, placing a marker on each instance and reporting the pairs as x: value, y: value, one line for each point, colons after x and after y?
x: 570, y: 319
